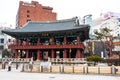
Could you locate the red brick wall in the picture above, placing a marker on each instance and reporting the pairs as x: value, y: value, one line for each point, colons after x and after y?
x: 37, y: 13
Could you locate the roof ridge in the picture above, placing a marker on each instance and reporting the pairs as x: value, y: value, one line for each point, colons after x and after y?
x: 56, y: 21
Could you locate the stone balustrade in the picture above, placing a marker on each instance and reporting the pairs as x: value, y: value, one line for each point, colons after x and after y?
x: 67, y: 60
x: 15, y: 59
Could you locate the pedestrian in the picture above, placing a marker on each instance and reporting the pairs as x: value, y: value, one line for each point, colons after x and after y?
x: 17, y: 65
x: 3, y: 64
x: 9, y: 65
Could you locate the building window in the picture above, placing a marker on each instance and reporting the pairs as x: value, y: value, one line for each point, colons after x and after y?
x: 28, y: 16
x: 2, y: 40
x: 28, y: 20
x: 118, y: 35
x: 28, y: 11
x: 1, y: 47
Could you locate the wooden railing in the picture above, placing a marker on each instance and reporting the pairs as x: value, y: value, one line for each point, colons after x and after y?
x: 45, y: 46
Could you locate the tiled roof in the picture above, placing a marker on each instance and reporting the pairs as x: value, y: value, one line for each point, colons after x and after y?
x: 34, y: 28
x: 47, y: 26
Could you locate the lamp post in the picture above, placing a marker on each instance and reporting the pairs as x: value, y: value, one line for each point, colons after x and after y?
x: 118, y: 52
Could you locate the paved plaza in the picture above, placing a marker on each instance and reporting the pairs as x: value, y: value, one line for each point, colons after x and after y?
x: 17, y: 75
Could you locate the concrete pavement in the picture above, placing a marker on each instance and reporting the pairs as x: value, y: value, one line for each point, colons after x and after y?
x: 17, y: 75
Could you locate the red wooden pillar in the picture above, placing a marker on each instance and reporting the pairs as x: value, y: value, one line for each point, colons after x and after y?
x: 16, y: 42
x: 65, y: 54
x: 70, y: 53
x: 19, y: 42
x: 27, y: 55
x: 27, y: 43
x: 52, y: 42
x: 65, y: 40
x: 53, y: 56
x: 78, y: 40
x: 16, y: 54
x: 79, y: 55
x: 38, y: 42
x: 38, y: 55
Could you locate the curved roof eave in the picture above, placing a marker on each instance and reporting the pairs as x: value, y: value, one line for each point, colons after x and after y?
x: 47, y: 26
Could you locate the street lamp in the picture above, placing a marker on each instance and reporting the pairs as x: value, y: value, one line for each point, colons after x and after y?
x: 118, y: 53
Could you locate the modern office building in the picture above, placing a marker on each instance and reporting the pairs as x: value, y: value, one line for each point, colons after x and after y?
x: 114, y: 25
x: 87, y: 19
x: 33, y: 12
x: 111, y: 21
x: 3, y: 40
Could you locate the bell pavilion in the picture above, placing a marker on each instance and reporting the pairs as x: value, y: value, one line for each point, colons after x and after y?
x: 49, y: 39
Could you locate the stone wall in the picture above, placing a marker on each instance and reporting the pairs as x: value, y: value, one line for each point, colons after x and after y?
x: 76, y: 69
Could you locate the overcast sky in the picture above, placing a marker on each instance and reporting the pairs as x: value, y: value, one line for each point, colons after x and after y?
x: 65, y: 8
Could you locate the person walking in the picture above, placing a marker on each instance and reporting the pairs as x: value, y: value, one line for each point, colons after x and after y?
x: 3, y: 64
x: 9, y: 65
x: 17, y: 65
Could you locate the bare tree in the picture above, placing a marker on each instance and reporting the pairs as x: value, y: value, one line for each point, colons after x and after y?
x: 104, y: 35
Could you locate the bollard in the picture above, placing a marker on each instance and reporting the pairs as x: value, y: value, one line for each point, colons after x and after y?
x: 86, y: 69
x: 113, y: 70
x: 41, y: 69
x: 98, y: 69
x: 73, y: 68
x: 62, y: 68
x: 22, y: 68
x: 30, y: 67
x: 38, y: 68
x: 50, y: 68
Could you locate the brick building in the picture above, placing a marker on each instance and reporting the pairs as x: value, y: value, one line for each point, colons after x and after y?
x: 33, y: 12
